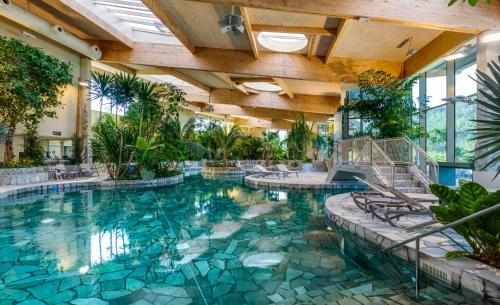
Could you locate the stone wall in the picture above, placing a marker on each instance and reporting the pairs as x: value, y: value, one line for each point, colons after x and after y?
x: 21, y: 176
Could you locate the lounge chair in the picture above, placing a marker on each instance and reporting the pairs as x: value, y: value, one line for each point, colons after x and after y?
x: 264, y: 172
x: 58, y: 173
x: 389, y: 204
x: 286, y: 171
x: 87, y: 170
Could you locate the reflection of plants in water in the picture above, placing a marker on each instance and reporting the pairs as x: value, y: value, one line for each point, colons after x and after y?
x: 300, y: 204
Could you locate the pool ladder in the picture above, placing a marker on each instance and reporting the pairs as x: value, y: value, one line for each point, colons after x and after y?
x: 436, y: 230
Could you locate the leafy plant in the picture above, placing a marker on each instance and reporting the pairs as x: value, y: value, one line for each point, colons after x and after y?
x: 248, y: 147
x: 488, y: 129
x: 319, y: 143
x: 385, y: 101
x: 33, y: 151
x: 225, y: 140
x: 31, y: 84
x: 101, y: 88
x: 272, y: 148
x: 78, y: 147
x: 299, y: 139
x: 482, y: 234
x: 471, y: 2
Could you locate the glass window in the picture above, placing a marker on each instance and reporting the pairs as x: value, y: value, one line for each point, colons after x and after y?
x: 436, y: 86
x: 465, y: 73
x: 354, y: 126
x: 415, y: 93
x: 464, y: 145
x: 436, y: 129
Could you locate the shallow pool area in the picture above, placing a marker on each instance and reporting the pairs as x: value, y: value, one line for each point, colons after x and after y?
x: 199, y: 242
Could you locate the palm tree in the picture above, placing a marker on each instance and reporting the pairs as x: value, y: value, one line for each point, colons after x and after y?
x: 225, y: 140
x: 124, y: 90
x: 101, y: 87
x: 300, y: 138
x: 488, y: 129
x: 148, y: 100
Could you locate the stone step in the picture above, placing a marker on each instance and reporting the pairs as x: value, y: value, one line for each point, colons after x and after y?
x: 397, y: 170
x: 403, y: 177
x: 405, y: 183
x: 416, y: 190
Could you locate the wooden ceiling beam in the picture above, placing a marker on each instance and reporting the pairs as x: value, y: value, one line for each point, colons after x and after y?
x: 186, y: 78
x: 286, y: 90
x: 322, y: 104
x: 249, y: 29
x: 240, y: 80
x: 294, y: 29
x: 434, y: 50
x: 313, y: 45
x: 269, y: 64
x: 264, y: 112
x: 165, y: 17
x: 337, y: 40
x: 433, y: 14
x: 97, y: 19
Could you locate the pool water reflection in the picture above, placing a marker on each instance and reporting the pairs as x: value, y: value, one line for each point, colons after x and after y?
x: 200, y: 242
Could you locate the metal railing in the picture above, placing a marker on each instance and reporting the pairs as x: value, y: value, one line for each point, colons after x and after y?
x: 404, y: 151
x: 364, y: 150
x: 436, y: 230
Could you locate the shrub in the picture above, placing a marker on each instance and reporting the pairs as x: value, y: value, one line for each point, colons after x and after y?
x: 482, y: 234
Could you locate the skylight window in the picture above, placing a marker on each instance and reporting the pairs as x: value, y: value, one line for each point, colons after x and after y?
x: 136, y: 14
x: 282, y: 42
x: 262, y: 86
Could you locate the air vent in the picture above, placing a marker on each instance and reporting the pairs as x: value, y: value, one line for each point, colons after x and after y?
x: 437, y: 272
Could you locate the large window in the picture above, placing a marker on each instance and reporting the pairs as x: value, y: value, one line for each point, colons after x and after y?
x: 436, y: 85
x: 465, y: 69
x: 436, y: 128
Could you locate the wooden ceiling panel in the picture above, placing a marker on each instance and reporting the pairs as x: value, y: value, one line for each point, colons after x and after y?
x: 379, y: 41
x: 313, y: 88
x: 262, y: 16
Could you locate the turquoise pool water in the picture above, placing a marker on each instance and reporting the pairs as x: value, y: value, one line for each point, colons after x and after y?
x: 200, y: 242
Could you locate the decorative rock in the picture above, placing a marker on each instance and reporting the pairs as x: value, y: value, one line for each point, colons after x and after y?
x: 32, y: 302
x: 68, y: 283
x: 180, y: 301
x: 292, y: 273
x: 161, y: 288
x: 45, y: 290
x: 113, y: 285
x: 175, y: 278
x: 219, y: 264
x: 262, y: 260
x: 226, y: 278
x: 13, y: 294
x: 213, y: 275
x: 61, y: 297
x: 367, y: 288
x: 233, y: 264
x: 134, y: 284
x: 203, y: 267
x: 114, y: 275
x: 231, y: 247
x: 86, y: 291
x: 114, y: 294
x: 276, y: 298
x: 244, y: 286
x: 221, y: 289
x: 89, y: 301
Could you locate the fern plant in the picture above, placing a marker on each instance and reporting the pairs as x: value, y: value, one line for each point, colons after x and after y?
x: 488, y: 129
x: 482, y: 234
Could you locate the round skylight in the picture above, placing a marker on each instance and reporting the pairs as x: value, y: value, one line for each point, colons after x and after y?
x: 282, y: 42
x: 262, y: 86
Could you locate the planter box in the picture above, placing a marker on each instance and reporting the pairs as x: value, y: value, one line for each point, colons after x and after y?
x: 21, y: 176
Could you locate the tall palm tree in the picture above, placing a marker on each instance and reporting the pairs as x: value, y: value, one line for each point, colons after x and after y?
x: 101, y: 87
x: 148, y: 100
x: 124, y: 90
x: 225, y: 140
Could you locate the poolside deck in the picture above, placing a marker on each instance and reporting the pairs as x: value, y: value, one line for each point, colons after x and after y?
x: 304, y: 181
x: 464, y: 273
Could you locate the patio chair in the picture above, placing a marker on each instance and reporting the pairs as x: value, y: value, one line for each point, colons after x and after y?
x: 286, y: 171
x: 87, y: 170
x: 58, y: 174
x: 264, y: 172
x: 72, y: 171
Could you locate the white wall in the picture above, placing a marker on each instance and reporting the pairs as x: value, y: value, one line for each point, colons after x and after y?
x: 66, y: 116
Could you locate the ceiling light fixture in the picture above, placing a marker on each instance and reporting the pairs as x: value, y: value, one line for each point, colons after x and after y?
x: 262, y: 86
x: 232, y: 23
x: 491, y: 37
x: 282, y: 42
x: 460, y: 53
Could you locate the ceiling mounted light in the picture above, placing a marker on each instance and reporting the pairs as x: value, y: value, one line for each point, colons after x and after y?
x: 460, y: 53
x: 282, y: 42
x: 262, y: 86
x: 232, y: 23
x: 411, y: 51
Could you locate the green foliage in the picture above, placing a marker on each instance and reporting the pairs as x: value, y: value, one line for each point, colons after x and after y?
x: 21, y: 163
x: 299, y: 139
x: 385, y: 101
x: 320, y: 143
x: 482, y: 234
x: 471, y: 2
x: 78, y: 148
x: 33, y: 151
x: 221, y: 163
x: 31, y: 84
x: 272, y: 148
x: 488, y: 129
x: 225, y: 139
x: 248, y: 147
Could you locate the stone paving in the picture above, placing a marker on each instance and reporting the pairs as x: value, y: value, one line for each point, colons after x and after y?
x: 200, y: 242
x: 304, y: 181
x: 467, y: 274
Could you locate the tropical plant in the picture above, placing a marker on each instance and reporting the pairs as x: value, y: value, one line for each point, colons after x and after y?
x: 386, y: 102
x: 482, y: 234
x: 272, y: 149
x: 124, y: 91
x: 319, y: 143
x: 299, y: 139
x: 471, y: 2
x: 32, y: 149
x: 31, y: 84
x: 488, y: 124
x: 248, y: 147
x: 78, y: 149
x: 225, y: 139
x: 101, y: 88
